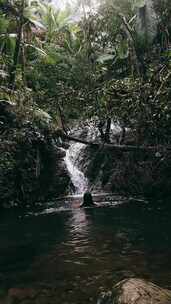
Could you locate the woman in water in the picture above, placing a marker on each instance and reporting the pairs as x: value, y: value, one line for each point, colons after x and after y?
x: 87, y: 200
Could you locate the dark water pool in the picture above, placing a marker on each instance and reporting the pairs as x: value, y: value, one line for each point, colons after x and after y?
x: 71, y: 255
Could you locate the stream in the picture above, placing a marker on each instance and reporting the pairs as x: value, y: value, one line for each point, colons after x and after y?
x: 66, y: 254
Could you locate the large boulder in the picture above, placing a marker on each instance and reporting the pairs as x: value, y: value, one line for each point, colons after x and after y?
x: 136, y: 291
x: 7, y: 112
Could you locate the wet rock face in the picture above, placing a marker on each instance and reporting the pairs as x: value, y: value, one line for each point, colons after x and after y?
x: 136, y: 291
x: 7, y: 115
x: 60, y: 181
x: 31, y: 164
x: 127, y: 173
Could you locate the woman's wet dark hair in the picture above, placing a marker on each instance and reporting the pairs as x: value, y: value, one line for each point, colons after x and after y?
x: 87, y: 199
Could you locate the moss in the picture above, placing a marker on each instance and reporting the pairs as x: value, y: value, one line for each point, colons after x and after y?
x: 28, y: 164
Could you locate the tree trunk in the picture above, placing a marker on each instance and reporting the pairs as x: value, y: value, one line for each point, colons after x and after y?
x: 17, y: 47
x: 107, y: 132
x: 62, y: 117
x: 130, y: 36
x: 123, y: 135
x: 23, y: 64
x: 100, y: 128
x: 105, y: 135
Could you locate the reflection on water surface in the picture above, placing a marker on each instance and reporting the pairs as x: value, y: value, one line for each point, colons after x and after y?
x: 68, y: 256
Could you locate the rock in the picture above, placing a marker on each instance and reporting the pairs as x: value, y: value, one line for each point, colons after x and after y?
x: 65, y: 145
x: 7, y: 111
x: 136, y: 291
x: 32, y: 166
x: 60, y: 153
x: 16, y: 295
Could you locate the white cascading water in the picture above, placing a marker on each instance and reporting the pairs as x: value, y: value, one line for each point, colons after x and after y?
x: 78, y: 178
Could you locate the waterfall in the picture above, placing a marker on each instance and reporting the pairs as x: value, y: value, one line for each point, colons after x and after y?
x: 78, y: 178
x: 73, y: 154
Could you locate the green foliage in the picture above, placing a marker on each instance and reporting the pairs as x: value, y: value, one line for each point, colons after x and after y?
x: 101, y: 65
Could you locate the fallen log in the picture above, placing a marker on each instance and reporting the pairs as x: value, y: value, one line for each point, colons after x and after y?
x: 136, y: 291
x: 112, y: 146
x: 119, y: 148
